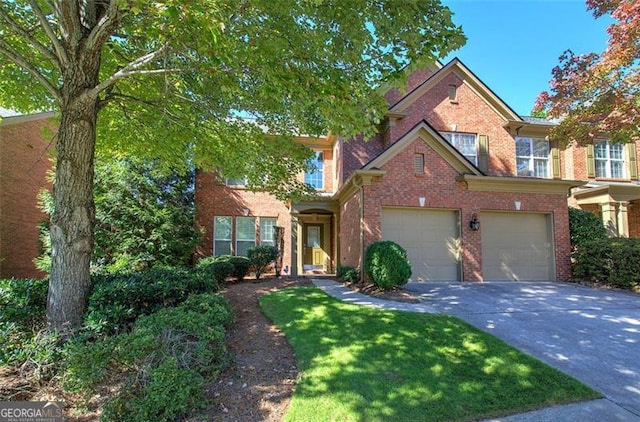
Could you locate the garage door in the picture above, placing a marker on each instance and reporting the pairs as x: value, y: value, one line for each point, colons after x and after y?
x: 516, y: 246
x: 430, y: 238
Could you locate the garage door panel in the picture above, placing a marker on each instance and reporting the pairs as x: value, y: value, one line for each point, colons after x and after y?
x: 516, y: 246
x: 430, y: 238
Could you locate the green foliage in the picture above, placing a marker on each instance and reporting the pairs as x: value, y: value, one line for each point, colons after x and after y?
x: 612, y: 262
x: 387, y: 265
x: 22, y: 316
x: 161, y: 365
x: 348, y: 274
x: 585, y: 227
x: 241, y: 265
x: 117, y: 300
x: 215, y: 269
x: 261, y: 257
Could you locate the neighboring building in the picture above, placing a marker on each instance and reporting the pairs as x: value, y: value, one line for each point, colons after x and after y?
x: 469, y: 188
x: 24, y: 162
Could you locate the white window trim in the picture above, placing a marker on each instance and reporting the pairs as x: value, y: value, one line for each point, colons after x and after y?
x: 215, y: 239
x: 319, y: 157
x: 229, y: 182
x: 608, y: 160
x: 244, y: 240
x: 532, y: 158
x: 271, y: 241
x: 452, y: 142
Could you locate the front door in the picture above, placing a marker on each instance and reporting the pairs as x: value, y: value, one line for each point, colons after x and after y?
x: 313, y: 247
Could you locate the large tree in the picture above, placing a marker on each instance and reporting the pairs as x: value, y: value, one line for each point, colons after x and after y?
x: 217, y: 74
x: 597, y: 95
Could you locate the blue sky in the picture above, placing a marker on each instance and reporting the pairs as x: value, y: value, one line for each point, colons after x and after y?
x: 512, y: 45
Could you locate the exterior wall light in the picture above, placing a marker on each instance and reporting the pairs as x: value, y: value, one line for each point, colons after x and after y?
x: 474, y: 224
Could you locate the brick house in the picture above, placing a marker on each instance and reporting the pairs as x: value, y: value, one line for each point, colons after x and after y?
x: 469, y: 188
x: 24, y: 162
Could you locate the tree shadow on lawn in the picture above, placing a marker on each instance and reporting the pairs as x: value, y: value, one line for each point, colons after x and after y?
x: 359, y: 363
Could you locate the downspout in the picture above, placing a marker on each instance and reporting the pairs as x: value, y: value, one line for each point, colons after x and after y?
x: 359, y: 185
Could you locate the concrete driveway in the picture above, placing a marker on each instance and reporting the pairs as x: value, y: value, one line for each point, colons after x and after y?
x: 592, y: 335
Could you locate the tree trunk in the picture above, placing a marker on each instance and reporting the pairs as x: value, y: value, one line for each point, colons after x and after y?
x: 74, y: 214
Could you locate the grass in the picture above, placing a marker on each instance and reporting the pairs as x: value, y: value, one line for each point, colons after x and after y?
x: 364, y: 364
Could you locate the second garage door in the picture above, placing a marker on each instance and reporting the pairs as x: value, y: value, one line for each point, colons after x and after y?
x: 516, y: 246
x: 431, y: 238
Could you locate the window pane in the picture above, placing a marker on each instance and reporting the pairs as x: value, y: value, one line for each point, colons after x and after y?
x: 523, y: 167
x: 222, y: 247
x: 601, y: 150
x: 540, y: 168
x: 601, y: 168
x: 540, y: 148
x: 617, y: 171
x: 616, y: 152
x: 523, y: 147
x: 266, y: 231
x: 246, y: 228
x: 242, y: 247
x: 315, y: 177
x: 237, y: 182
x: 222, y: 228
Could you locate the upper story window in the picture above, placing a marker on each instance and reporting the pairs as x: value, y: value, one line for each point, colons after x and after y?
x: 465, y: 143
x: 532, y: 157
x: 609, y: 160
x: 236, y: 182
x: 315, y: 175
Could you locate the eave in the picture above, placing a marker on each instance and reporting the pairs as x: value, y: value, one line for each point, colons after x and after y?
x: 518, y: 184
x: 523, y: 128
x: 356, y: 180
x: 608, y: 193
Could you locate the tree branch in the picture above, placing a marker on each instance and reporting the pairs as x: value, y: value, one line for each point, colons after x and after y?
x: 69, y: 20
x: 132, y: 68
x: 107, y: 22
x: 60, y: 53
x: 20, y: 61
x: 19, y: 30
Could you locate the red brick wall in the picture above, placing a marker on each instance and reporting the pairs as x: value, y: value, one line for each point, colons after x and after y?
x: 24, y: 161
x: 349, y: 231
x: 215, y: 199
x: 402, y: 187
x: 633, y: 214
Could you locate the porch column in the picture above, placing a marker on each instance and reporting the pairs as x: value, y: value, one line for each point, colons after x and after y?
x: 609, y: 218
x: 294, y: 245
x: 623, y: 219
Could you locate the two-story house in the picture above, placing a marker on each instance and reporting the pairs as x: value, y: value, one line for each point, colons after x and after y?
x: 469, y: 188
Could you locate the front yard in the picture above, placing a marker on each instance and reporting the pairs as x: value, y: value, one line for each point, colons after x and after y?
x: 358, y: 363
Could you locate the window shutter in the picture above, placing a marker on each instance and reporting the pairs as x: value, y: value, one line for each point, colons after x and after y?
x: 555, y: 161
x: 483, y: 153
x: 591, y: 162
x: 633, y: 160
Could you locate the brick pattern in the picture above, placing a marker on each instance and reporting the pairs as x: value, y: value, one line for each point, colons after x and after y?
x: 349, y: 232
x: 24, y: 162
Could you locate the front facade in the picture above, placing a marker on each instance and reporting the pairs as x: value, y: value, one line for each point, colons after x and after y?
x: 470, y: 189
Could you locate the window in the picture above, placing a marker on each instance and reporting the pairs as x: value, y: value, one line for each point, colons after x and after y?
x: 222, y: 236
x: 266, y: 230
x: 418, y: 163
x: 465, y: 143
x: 532, y: 157
x: 245, y: 234
x: 609, y: 160
x: 315, y: 176
x: 237, y: 182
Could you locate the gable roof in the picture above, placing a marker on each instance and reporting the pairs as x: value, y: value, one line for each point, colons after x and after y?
x: 470, y: 79
x: 423, y: 130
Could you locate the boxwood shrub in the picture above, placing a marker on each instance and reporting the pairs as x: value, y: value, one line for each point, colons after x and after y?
x: 261, y: 257
x: 240, y: 264
x: 214, y: 269
x: 387, y: 265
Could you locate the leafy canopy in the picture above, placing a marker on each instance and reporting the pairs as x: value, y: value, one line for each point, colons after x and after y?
x: 218, y: 75
x: 598, y: 95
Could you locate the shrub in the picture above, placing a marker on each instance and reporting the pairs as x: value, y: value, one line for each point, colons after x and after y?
x: 387, y: 265
x: 585, y: 227
x: 240, y: 264
x: 348, y: 274
x: 117, y: 300
x: 22, y: 315
x: 160, y: 366
x: 216, y: 270
x: 261, y: 257
x: 613, y: 262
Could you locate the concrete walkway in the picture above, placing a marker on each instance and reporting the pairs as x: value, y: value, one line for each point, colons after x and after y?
x: 592, y: 335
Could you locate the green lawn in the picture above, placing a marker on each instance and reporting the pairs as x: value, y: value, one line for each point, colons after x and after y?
x: 364, y: 364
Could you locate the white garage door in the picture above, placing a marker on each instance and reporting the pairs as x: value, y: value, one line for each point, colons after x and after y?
x: 516, y: 246
x: 431, y: 239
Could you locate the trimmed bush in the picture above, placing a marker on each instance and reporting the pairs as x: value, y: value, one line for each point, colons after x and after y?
x: 348, y: 274
x: 240, y: 264
x: 387, y: 265
x: 585, y: 227
x: 117, y: 300
x: 160, y: 367
x: 261, y: 257
x: 216, y: 270
x: 614, y: 262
